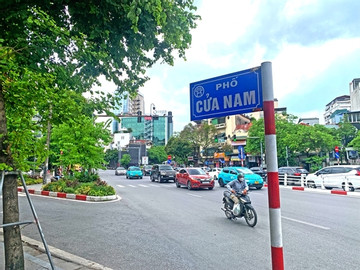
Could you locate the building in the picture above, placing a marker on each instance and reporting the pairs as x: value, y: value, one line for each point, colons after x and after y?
x: 130, y: 107
x: 155, y: 129
x: 309, y: 121
x: 354, y: 89
x: 336, y: 109
x: 354, y: 115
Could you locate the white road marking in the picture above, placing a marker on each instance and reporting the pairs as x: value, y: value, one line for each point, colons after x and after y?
x: 198, y: 196
x: 131, y: 186
x: 152, y: 185
x: 307, y: 223
x: 120, y: 186
x: 142, y: 185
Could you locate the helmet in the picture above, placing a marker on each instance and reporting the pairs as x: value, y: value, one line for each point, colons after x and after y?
x: 240, y: 177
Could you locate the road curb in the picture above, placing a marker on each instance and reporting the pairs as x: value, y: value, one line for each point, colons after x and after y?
x: 324, y: 191
x: 69, y: 196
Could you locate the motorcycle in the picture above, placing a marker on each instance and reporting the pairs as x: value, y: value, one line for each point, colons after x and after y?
x: 242, y: 209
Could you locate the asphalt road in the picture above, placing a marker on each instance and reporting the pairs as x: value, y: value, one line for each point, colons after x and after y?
x: 158, y: 226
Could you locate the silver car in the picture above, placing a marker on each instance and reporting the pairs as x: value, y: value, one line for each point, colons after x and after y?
x: 120, y: 171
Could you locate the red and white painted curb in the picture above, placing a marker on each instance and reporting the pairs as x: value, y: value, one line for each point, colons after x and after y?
x: 325, y: 191
x: 79, y: 197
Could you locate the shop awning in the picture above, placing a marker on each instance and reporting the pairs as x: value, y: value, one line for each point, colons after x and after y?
x: 240, y: 142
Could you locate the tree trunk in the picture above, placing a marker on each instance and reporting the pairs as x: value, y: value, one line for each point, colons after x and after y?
x: 48, y: 135
x: 14, y: 255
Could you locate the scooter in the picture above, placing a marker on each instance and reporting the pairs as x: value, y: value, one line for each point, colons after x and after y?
x: 242, y: 209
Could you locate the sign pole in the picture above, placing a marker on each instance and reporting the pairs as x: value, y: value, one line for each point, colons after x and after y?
x: 277, y: 257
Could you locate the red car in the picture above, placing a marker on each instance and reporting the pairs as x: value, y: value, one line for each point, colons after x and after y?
x: 194, y: 178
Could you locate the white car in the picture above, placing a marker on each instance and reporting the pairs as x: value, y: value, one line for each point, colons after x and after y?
x: 335, y: 177
x: 214, y: 173
x: 120, y: 171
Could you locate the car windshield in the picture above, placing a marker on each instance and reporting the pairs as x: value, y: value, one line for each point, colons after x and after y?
x: 165, y: 168
x: 196, y: 171
x: 148, y: 167
x: 134, y: 169
x: 301, y: 170
x: 244, y: 170
x: 120, y: 168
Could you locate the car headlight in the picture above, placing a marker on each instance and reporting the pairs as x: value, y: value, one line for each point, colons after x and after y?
x: 163, y: 173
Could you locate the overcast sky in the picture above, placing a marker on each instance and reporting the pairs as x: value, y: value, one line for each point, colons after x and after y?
x: 314, y: 47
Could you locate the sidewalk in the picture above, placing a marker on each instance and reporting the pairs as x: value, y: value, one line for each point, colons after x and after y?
x: 36, y: 258
x: 35, y: 255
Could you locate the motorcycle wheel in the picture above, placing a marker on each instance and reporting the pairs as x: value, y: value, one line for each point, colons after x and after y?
x: 250, y: 215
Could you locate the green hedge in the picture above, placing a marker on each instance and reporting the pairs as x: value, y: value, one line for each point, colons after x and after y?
x: 96, y: 188
x: 30, y: 180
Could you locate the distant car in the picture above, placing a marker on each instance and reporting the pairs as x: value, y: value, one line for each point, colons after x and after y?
x: 134, y: 172
x: 260, y: 171
x: 297, y: 171
x: 214, y: 173
x: 335, y: 176
x: 162, y: 172
x: 194, y: 178
x: 229, y: 174
x: 147, y: 169
x: 206, y: 169
x: 293, y: 174
x: 120, y: 171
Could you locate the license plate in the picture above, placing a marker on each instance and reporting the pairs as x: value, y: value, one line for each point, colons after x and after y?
x: 256, y: 182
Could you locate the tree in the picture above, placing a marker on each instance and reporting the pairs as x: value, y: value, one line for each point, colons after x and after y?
x: 179, y: 148
x: 201, y: 136
x: 50, y: 50
x: 293, y: 139
x: 125, y: 160
x: 111, y: 157
x: 81, y: 142
x: 157, y: 154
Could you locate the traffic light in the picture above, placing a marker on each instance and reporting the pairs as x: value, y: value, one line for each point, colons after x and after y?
x: 234, y: 138
x: 139, y: 116
x: 216, y: 139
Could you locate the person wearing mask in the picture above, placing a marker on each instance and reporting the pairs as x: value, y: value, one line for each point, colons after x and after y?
x: 238, y: 185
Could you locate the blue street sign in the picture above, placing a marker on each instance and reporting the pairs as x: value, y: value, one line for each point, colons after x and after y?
x: 234, y: 93
x: 241, y: 150
x: 337, y: 155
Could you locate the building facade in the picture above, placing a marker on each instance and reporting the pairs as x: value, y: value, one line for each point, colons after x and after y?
x: 155, y: 129
x: 336, y: 109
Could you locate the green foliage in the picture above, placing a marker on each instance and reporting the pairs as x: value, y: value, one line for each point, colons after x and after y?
x: 315, y: 163
x: 95, y: 188
x: 295, y: 138
x: 30, y: 180
x: 125, y: 160
x: 157, y: 154
x: 199, y: 136
x: 179, y: 148
x: 81, y: 142
x: 111, y: 156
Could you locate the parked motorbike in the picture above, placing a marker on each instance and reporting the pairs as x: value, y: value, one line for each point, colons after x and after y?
x: 242, y: 209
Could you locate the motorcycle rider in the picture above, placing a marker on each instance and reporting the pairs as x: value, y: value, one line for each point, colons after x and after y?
x: 238, y: 185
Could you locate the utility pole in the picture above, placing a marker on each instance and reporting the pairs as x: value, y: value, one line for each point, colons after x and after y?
x: 287, y: 157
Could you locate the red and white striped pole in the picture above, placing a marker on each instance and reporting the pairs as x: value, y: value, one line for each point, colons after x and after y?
x: 277, y: 257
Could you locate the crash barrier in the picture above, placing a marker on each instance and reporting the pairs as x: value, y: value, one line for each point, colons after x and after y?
x: 296, y: 180
x: 301, y: 181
